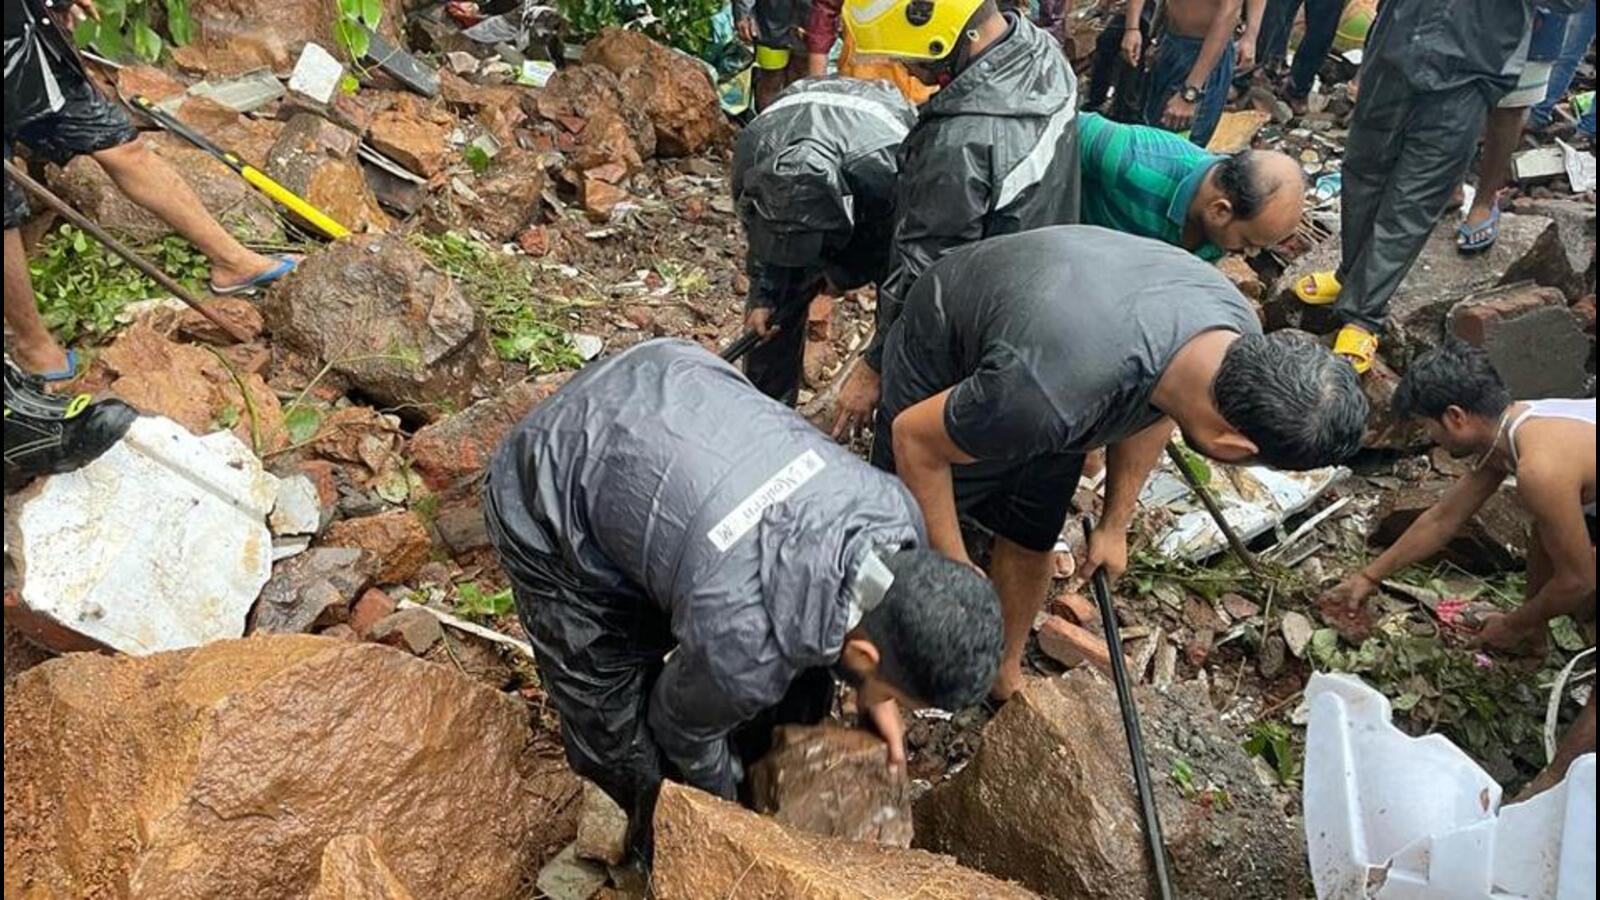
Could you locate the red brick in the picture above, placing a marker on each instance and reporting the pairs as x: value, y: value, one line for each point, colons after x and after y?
x: 1076, y: 608
x: 371, y: 606
x: 1474, y: 320
x: 1071, y: 645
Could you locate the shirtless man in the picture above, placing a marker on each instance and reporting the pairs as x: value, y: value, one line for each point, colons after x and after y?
x: 1193, y: 63
x: 1549, y: 446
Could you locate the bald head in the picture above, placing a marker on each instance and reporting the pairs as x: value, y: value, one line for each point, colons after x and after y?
x: 1253, y: 200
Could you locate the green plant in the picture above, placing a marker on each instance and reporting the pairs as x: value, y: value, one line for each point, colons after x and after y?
x: 477, y: 159
x: 473, y: 603
x: 1274, y: 743
x: 354, y: 24
x: 520, y: 328
x: 684, y: 24
x: 126, y: 26
x: 81, y: 287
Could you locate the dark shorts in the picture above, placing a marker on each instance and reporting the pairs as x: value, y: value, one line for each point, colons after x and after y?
x: 1024, y: 502
x: 780, y: 26
x: 1174, y: 57
x: 87, y: 123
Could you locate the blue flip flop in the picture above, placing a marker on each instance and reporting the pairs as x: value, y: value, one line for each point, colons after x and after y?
x: 1475, y: 239
x: 286, y: 264
x: 66, y: 374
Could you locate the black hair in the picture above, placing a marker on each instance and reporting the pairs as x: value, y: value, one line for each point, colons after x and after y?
x: 1456, y: 374
x: 1242, y: 179
x: 937, y: 630
x: 1302, y: 406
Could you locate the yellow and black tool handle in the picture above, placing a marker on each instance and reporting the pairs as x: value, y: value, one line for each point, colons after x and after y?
x: 258, y: 179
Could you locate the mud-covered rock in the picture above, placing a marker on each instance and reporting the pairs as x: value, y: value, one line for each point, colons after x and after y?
x: 194, y: 388
x: 672, y: 88
x: 507, y: 196
x: 316, y: 159
x: 395, y: 327
x: 312, y: 591
x: 602, y: 827
x: 353, y: 869
x: 1385, y: 429
x: 579, y: 96
x: 243, y: 209
x: 835, y: 782
x: 457, y: 448
x: 1494, y: 540
x: 396, y: 539
x: 413, y: 134
x: 226, y: 771
x: 1049, y: 800
x: 706, y: 847
x: 236, y: 36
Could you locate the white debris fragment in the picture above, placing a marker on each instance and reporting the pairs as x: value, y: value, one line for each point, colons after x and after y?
x: 1254, y: 499
x: 316, y: 74
x: 159, y: 544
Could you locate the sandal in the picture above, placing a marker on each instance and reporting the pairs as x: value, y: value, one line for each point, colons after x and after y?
x: 286, y: 264
x: 1318, y: 289
x: 1472, y: 240
x: 1357, y: 345
x: 67, y: 373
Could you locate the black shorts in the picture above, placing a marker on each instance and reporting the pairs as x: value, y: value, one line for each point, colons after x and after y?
x: 780, y: 26
x: 1024, y: 502
x: 87, y: 122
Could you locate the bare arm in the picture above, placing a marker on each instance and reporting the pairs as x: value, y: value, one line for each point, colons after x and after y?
x: 1433, y: 529
x: 1254, y: 10
x: 923, y: 455
x: 1128, y: 465
x: 1131, y: 16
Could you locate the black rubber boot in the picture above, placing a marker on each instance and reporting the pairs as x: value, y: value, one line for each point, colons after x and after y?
x: 48, y: 434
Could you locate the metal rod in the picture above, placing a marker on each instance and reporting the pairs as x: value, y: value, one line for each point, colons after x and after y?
x: 1130, y: 728
x: 115, y: 246
x: 1210, y: 503
x: 741, y: 345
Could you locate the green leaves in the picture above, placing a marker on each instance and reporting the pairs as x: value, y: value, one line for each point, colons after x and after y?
x: 180, y: 25
x: 350, y: 29
x: 473, y: 603
x: 371, y: 13
x: 1274, y: 743
x: 477, y: 159
x: 81, y: 288
x: 124, y: 29
x: 302, y: 423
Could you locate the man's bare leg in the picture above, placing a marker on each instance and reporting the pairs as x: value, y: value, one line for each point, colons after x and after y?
x: 1022, y: 578
x: 32, y: 346
x: 150, y: 182
x: 1500, y: 137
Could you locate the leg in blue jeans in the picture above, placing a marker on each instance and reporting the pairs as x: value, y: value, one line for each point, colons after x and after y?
x: 1322, y: 24
x: 1580, y: 33
x: 1272, y: 42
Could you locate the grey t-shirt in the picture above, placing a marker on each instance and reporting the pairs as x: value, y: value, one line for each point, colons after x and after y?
x: 1052, y: 339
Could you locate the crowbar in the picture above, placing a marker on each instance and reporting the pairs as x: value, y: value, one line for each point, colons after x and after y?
x: 741, y: 345
x: 257, y: 179
x: 78, y: 219
x: 1130, y: 727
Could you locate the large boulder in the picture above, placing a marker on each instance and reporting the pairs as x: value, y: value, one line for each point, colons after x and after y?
x: 1529, y: 248
x: 237, y: 205
x: 239, y: 769
x: 706, y: 847
x: 1575, y: 220
x: 506, y: 197
x: 236, y: 36
x: 834, y: 781
x: 413, y: 133
x: 674, y: 89
x: 589, y: 101
x: 456, y: 449
x: 1049, y: 801
x: 317, y: 160
x: 396, y: 328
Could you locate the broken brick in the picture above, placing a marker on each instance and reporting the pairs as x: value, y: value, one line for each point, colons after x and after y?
x: 411, y: 630
x: 1076, y: 608
x: 1072, y: 645
x: 372, y: 606
x: 1536, y: 342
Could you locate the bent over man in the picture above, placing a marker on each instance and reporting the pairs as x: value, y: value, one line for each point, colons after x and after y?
x: 691, y: 559
x: 1018, y: 355
x: 813, y: 181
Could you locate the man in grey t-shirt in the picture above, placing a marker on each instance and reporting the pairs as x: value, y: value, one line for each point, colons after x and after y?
x: 1017, y: 355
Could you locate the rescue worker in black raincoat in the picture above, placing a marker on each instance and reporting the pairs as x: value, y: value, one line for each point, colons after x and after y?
x: 813, y: 181
x: 693, y: 563
x: 1430, y: 73
x: 995, y: 151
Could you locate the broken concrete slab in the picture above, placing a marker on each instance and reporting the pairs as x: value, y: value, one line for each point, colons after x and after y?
x: 706, y: 847
x: 316, y: 74
x: 82, y: 542
x: 602, y: 828
x: 1537, y: 344
x: 671, y: 87
x: 243, y: 93
x: 1058, y: 746
x: 397, y: 539
x: 315, y: 158
x: 352, y: 868
x: 395, y: 327
x: 1529, y: 248
x: 226, y: 771
x: 457, y: 448
x: 1496, y: 538
x: 312, y: 591
x: 835, y: 782
x: 1575, y: 222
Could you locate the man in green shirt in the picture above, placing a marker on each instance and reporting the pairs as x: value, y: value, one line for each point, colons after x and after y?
x: 1155, y: 184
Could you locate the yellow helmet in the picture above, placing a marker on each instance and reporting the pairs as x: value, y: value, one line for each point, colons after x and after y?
x: 908, y: 29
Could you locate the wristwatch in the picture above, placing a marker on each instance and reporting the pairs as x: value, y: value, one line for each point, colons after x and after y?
x: 1192, y: 94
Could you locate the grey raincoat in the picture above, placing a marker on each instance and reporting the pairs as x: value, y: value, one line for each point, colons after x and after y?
x: 813, y: 180
x: 682, y: 549
x: 993, y: 152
